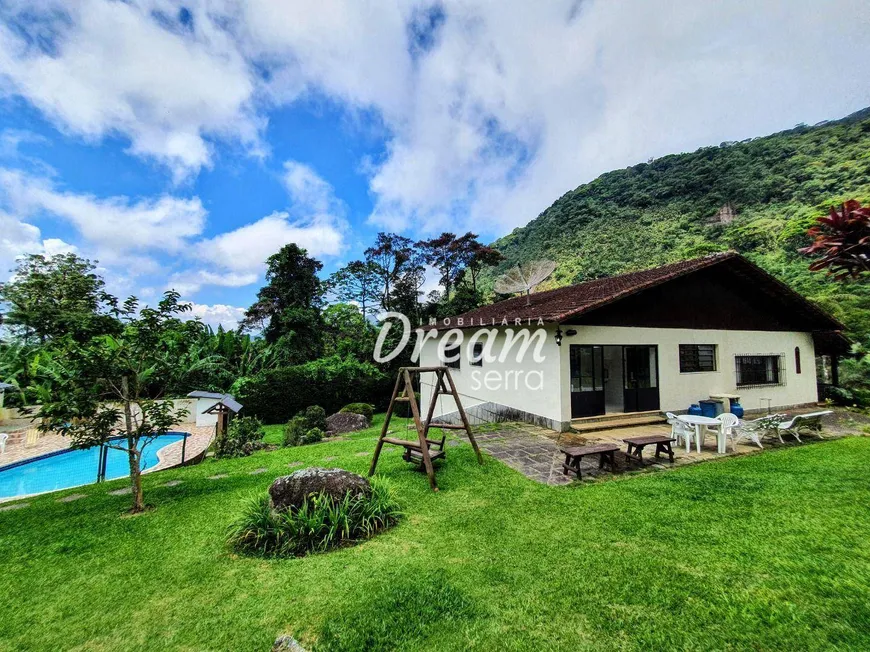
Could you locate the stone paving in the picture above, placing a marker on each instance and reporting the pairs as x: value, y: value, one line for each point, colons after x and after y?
x: 534, y: 451
x: 525, y: 448
x: 197, y: 443
x: 20, y: 450
x: 71, y: 498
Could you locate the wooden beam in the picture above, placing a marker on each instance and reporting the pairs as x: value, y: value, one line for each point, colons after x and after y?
x: 463, y: 416
x: 424, y: 446
x: 386, y: 426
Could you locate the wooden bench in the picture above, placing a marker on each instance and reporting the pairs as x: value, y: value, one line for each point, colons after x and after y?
x: 637, y: 444
x: 575, y: 454
x: 412, y: 449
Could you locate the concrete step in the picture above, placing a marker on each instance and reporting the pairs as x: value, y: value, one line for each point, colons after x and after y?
x: 596, y: 424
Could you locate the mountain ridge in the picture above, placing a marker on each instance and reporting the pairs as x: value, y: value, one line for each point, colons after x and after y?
x: 757, y: 196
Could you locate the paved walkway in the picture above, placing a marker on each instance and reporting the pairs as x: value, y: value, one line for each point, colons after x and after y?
x: 534, y: 451
x: 525, y: 448
x: 197, y: 444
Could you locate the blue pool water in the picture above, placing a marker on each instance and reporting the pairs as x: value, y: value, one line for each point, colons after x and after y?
x: 73, y: 468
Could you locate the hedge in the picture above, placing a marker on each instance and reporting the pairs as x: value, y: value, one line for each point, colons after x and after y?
x: 276, y: 395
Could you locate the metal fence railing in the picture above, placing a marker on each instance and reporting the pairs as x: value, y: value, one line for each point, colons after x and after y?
x: 67, y: 468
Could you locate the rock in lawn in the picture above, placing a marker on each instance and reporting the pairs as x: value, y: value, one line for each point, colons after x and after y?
x: 342, y: 422
x: 287, y: 643
x: 294, y: 489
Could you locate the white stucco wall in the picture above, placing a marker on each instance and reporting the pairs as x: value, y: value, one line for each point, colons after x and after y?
x: 546, y: 391
x: 679, y: 390
x: 526, y: 385
x: 203, y: 404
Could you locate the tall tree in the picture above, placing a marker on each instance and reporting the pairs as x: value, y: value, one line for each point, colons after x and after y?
x: 480, y: 256
x: 841, y: 241
x: 106, y: 389
x: 393, y: 256
x: 52, y: 296
x: 288, y: 306
x: 356, y: 282
x: 347, y: 332
x: 456, y: 257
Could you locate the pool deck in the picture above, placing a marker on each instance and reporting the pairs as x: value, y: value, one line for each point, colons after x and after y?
x: 169, y: 456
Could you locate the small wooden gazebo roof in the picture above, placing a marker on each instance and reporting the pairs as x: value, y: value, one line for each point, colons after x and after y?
x: 227, y: 402
x: 223, y: 401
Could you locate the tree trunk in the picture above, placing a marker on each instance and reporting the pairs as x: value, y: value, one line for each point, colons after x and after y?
x: 132, y: 451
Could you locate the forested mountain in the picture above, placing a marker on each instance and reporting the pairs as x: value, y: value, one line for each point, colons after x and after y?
x: 757, y: 196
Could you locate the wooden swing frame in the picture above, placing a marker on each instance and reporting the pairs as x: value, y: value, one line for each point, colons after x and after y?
x: 421, y: 447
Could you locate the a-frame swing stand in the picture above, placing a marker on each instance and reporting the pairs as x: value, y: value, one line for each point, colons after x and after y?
x: 403, y: 392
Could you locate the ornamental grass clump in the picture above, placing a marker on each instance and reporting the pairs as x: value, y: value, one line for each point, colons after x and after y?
x: 320, y: 524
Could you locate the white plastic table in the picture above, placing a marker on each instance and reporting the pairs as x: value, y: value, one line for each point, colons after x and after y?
x: 700, y: 422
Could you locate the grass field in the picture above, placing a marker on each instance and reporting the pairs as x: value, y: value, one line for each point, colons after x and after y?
x: 766, y: 551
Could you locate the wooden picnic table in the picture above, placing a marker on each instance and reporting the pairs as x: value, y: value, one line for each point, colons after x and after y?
x: 574, y: 454
x: 637, y: 444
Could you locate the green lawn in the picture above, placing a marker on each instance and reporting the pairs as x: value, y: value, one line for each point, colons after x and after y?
x: 767, y: 551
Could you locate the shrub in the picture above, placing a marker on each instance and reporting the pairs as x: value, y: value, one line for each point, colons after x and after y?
x: 316, y: 417
x: 243, y: 437
x: 319, y: 525
x: 307, y: 427
x: 294, y: 431
x: 365, y: 409
x: 277, y: 394
x: 313, y: 436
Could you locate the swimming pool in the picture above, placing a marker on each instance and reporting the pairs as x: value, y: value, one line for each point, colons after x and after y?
x: 72, y: 468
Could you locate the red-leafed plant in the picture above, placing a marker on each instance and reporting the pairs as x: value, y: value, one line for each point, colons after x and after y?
x: 841, y: 241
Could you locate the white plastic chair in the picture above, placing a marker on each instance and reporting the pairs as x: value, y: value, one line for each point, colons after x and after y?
x: 675, y: 424
x: 681, y: 431
x: 3, y: 437
x: 751, y: 430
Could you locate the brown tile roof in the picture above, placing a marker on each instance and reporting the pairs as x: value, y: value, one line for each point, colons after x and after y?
x: 554, y: 306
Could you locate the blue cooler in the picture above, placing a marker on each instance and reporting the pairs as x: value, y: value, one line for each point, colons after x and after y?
x: 710, y: 409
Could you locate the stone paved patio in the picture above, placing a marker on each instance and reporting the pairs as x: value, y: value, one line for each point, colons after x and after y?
x: 534, y: 451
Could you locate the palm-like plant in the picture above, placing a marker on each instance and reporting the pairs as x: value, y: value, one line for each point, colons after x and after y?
x: 841, y: 240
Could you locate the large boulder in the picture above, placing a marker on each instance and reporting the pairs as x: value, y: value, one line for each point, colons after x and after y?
x: 342, y: 422
x: 291, y: 491
x: 287, y: 643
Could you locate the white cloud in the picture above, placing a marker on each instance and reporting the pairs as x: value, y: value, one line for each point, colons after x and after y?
x: 188, y: 283
x: 217, y: 314
x: 306, y: 188
x: 97, y: 68
x: 314, y: 221
x: 490, y: 110
x: 113, y: 224
x: 19, y: 238
x: 519, y: 102
x: 246, y: 249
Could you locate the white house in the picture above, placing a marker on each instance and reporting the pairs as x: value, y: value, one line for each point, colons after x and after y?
x: 659, y: 339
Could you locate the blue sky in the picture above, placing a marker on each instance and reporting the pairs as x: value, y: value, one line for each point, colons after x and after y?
x: 182, y: 143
